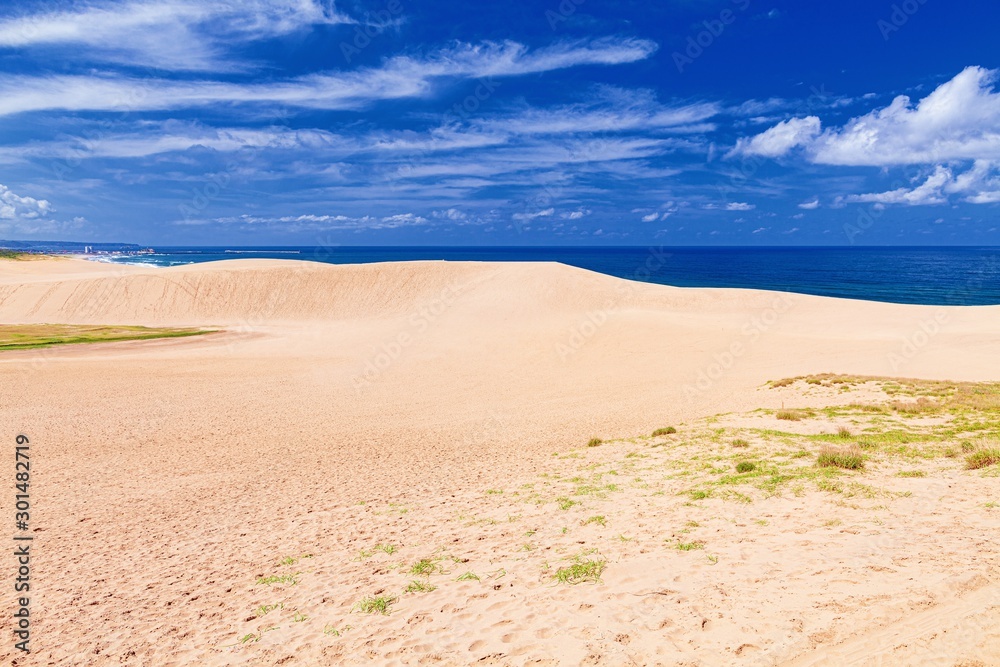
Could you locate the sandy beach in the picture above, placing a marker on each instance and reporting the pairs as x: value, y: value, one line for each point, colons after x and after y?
x: 232, y: 498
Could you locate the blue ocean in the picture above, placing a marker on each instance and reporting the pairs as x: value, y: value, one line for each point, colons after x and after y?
x: 924, y: 275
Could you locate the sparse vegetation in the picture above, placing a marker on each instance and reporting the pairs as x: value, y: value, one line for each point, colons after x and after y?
x: 289, y: 579
x: 468, y: 576
x: 426, y: 567
x: 740, y: 443
x: 416, y: 586
x: 911, y: 473
x: 843, y: 432
x: 669, y: 430
x: 581, y: 571
x: 265, y: 609
x: 599, y: 520
x: 789, y: 415
x: 745, y: 466
x: 690, y: 546
x: 378, y: 604
x: 594, y: 442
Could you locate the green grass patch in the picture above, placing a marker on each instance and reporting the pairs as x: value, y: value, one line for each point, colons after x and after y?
x: 599, y: 520
x: 33, y: 336
x: 669, y: 430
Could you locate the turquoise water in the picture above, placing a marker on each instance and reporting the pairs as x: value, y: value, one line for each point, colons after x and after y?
x: 937, y: 276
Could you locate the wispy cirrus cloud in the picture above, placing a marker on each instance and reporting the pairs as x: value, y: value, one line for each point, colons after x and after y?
x: 399, y: 77
x: 179, y: 35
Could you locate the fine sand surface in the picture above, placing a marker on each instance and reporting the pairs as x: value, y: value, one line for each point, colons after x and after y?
x: 419, y: 405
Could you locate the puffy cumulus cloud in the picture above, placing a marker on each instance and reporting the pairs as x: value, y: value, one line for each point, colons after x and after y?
x: 810, y: 205
x: 15, y: 207
x: 978, y: 185
x: 450, y: 214
x: 959, y: 120
x: 575, y: 215
x: 780, y: 139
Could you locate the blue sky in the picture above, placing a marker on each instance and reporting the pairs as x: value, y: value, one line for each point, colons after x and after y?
x: 688, y: 122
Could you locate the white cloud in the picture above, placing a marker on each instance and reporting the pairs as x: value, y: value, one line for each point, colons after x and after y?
x: 531, y: 216
x: 399, y: 77
x: 185, y: 35
x: 959, y: 120
x: 810, y: 205
x: 575, y: 215
x: 294, y: 223
x: 780, y: 139
x: 14, y: 207
x: 978, y: 185
x: 731, y: 206
x: 652, y: 217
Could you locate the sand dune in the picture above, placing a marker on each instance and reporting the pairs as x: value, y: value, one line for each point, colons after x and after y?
x: 172, y: 473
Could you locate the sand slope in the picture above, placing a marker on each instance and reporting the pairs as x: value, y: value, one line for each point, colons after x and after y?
x: 170, y: 473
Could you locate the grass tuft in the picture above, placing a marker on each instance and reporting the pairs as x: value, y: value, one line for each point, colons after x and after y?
x: 740, y: 442
x: 982, y: 459
x: 594, y: 442
x: 581, y: 571
x: 375, y: 604
x: 745, y: 466
x: 848, y: 459
x: 416, y: 586
x: 664, y: 431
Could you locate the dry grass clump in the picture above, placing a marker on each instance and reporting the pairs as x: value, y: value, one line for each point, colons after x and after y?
x: 849, y: 458
x: 791, y: 415
x: 664, y: 431
x: 740, y: 442
x: 594, y: 442
x: 982, y: 458
x: 920, y: 406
